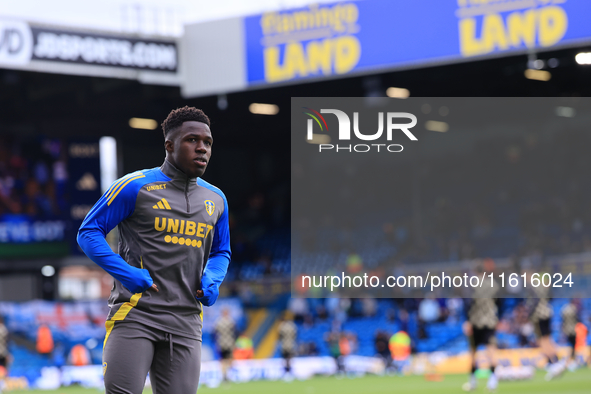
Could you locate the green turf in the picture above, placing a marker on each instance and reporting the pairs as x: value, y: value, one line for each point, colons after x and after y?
x: 578, y: 382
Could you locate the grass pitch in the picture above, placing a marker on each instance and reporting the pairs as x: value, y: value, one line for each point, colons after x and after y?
x: 578, y: 382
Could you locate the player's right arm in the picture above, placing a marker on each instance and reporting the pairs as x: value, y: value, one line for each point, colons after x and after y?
x: 116, y: 205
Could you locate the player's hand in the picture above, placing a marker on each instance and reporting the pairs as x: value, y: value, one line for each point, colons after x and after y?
x: 210, y: 291
x: 199, y: 293
x: 137, y: 280
x: 154, y: 287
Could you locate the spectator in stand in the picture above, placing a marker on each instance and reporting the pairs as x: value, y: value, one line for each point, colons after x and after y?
x: 455, y: 307
x: 581, y: 340
x: 429, y: 312
x: 403, y: 318
x: 347, y: 343
x: 3, y: 374
x: 343, y: 310
x: 35, y: 202
x: 299, y: 308
x: 382, y: 348
x: 8, y: 202
x: 307, y: 349
x: 332, y: 306
x: 244, y: 349
x: 321, y: 312
x: 79, y: 355
x: 334, y: 347
x: 369, y: 306
x: 399, y: 345
x: 522, y: 326
x: 443, y: 311
x: 354, y: 263
x: 44, y: 340
x: 352, y: 342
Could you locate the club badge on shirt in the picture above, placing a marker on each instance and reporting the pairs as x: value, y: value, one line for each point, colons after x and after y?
x: 209, y: 207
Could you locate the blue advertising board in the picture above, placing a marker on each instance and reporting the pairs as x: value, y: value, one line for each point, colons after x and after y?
x: 335, y: 39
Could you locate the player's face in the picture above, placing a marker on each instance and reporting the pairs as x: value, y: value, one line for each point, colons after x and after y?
x: 190, y: 148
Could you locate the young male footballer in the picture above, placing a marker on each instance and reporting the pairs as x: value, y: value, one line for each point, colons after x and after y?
x: 174, y: 251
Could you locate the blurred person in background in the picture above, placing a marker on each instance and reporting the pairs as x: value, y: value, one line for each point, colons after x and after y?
x: 44, y: 340
x: 332, y: 306
x: 174, y: 245
x: 299, y: 308
x: 382, y: 348
x: 32, y: 177
x: 581, y: 340
x: 481, y: 328
x: 455, y: 306
x: 79, y: 355
x: 34, y: 201
x: 429, y: 312
x: 540, y: 314
x: 522, y: 326
x: 288, y: 333
x: 570, y: 318
x: 225, y: 338
x: 244, y: 349
x: 3, y: 344
x: 334, y: 347
x: 400, y: 349
x: 347, y: 343
x: 3, y: 375
x: 369, y: 307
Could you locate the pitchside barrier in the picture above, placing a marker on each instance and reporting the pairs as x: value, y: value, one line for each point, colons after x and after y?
x: 518, y: 362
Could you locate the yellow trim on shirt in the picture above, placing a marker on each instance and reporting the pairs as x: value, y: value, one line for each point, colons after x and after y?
x: 122, y: 186
x: 119, y: 182
x: 121, y: 314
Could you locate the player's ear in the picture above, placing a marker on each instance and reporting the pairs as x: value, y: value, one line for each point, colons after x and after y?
x: 169, y: 146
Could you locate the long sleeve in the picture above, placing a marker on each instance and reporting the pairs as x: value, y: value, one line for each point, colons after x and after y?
x: 220, y: 255
x: 218, y: 261
x: 113, y: 207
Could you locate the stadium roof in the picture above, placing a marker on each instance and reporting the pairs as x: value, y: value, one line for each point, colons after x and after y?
x: 145, y: 16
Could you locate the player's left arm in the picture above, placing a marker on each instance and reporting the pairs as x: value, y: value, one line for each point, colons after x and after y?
x: 219, y: 259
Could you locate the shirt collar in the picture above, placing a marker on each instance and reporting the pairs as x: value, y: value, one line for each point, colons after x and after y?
x: 174, y: 173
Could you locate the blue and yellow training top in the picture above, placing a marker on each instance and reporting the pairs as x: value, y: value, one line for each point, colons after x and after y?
x: 173, y: 230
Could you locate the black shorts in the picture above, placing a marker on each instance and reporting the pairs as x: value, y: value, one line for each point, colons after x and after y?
x: 482, y: 336
x: 572, y: 339
x: 543, y: 328
x: 226, y: 354
x: 3, y: 361
x: 287, y: 353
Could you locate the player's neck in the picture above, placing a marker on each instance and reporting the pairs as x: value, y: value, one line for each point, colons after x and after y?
x: 172, y: 171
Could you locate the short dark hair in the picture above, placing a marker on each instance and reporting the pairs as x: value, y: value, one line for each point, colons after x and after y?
x: 177, y: 117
